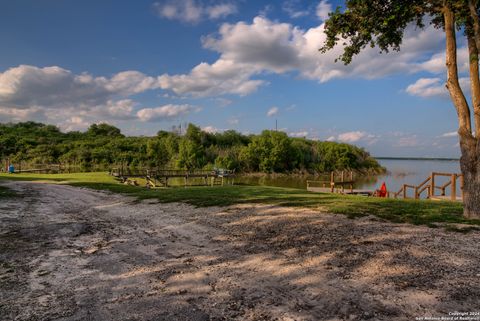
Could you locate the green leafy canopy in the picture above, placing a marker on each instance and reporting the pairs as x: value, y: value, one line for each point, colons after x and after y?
x: 382, y: 24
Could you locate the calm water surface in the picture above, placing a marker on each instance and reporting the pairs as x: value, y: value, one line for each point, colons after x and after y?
x: 399, y: 172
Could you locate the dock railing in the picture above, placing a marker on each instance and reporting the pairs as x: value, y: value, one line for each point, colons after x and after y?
x: 157, y: 176
x: 429, y: 185
x: 332, y: 185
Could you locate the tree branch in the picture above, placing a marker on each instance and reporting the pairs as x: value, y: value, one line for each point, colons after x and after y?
x: 453, y: 85
x: 475, y: 21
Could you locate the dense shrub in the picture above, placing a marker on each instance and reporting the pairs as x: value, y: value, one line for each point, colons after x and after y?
x: 103, y: 146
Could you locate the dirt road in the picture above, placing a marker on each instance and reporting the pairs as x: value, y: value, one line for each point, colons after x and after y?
x: 74, y: 254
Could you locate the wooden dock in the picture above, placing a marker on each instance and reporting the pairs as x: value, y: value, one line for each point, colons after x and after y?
x: 347, y: 192
x: 161, y: 177
x: 428, y: 188
x: 343, y: 186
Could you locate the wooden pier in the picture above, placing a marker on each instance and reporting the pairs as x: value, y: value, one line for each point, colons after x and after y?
x: 342, y: 186
x: 161, y: 177
x: 429, y: 187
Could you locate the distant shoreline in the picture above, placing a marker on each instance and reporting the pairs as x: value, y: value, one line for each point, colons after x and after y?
x: 418, y: 158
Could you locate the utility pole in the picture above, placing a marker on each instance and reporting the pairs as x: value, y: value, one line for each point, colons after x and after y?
x: 276, y: 125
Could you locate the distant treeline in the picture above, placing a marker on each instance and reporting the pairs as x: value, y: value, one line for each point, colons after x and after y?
x: 104, y: 146
x: 420, y: 158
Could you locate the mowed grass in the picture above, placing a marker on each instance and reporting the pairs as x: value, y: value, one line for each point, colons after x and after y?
x: 401, y: 211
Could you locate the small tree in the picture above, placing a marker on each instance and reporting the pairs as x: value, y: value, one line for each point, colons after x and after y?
x: 382, y: 23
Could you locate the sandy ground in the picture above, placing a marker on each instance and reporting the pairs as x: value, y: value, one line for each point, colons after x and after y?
x: 74, y: 254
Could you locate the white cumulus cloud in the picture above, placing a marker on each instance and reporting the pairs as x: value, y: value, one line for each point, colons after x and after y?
x: 354, y: 137
x: 323, y: 9
x: 272, y: 111
x: 56, y: 95
x: 221, y: 77
x: 434, y: 87
x: 28, y: 86
x: 450, y: 134
x: 192, y: 11
x: 210, y: 129
x: 436, y: 63
x: 427, y: 87
x: 165, y: 112
x: 221, y: 10
x: 248, y: 50
x: 298, y: 134
x: 294, y: 9
x: 331, y: 139
x: 74, y: 123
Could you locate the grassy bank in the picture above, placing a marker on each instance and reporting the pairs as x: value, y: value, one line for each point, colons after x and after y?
x: 409, y: 211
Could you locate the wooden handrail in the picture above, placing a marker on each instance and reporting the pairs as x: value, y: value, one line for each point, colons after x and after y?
x: 446, y: 184
x: 344, y: 183
x: 398, y: 193
x: 321, y: 182
x: 442, y: 174
x: 424, y: 182
x: 423, y: 189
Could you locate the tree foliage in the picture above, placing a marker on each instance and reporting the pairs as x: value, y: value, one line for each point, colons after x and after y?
x: 382, y: 24
x: 103, y: 146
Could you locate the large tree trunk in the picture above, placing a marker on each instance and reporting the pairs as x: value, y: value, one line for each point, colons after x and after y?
x: 469, y: 144
x: 470, y: 166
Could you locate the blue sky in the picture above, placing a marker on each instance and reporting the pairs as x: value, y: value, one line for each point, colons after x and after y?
x: 148, y: 65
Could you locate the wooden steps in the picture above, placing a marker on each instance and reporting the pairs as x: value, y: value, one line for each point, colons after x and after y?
x: 429, y: 185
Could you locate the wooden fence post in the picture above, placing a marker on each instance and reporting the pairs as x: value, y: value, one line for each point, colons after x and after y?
x: 454, y: 187
x: 404, y: 191
x: 343, y: 179
x: 332, y: 182
x: 351, y: 180
x: 432, y: 185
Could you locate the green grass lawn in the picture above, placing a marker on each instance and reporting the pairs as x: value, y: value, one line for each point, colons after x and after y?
x: 409, y: 211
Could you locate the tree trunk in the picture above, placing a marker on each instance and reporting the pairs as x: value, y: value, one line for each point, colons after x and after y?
x: 470, y: 166
x: 469, y: 145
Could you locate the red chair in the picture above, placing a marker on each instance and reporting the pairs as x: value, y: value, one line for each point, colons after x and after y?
x: 382, y: 192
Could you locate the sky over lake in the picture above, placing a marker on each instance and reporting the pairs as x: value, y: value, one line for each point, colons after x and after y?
x: 243, y: 65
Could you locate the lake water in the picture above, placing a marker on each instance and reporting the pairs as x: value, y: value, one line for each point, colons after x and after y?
x: 399, y: 172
